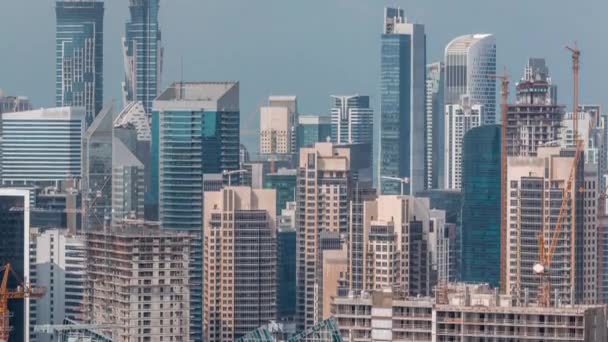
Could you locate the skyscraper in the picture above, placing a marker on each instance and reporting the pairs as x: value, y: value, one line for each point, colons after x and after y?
x: 15, y: 248
x: 324, y: 184
x: 97, y: 170
x: 11, y: 104
x: 352, y: 120
x: 435, y: 125
x: 195, y: 131
x: 52, y: 157
x: 470, y: 62
x: 128, y: 188
x: 535, y: 118
x: 143, y: 53
x: 534, y: 201
x: 291, y: 103
x: 481, y: 185
x: 312, y: 129
x: 79, y: 55
x: 402, y: 103
x: 240, y: 262
x: 459, y: 119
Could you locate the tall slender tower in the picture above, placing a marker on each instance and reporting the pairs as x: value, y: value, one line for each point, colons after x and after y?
x: 79, y: 55
x: 143, y: 53
x: 352, y: 119
x: 402, y: 103
x: 470, y: 61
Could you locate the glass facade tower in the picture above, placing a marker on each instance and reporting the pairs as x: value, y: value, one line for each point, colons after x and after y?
x: 402, y: 103
x: 143, y: 53
x: 79, y: 55
x: 481, y: 205
x: 195, y: 131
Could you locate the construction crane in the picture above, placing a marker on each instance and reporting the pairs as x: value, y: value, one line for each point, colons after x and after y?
x: 22, y: 291
x: 504, y: 95
x: 546, y: 250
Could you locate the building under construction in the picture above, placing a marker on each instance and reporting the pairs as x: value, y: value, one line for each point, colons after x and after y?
x: 463, y: 312
x: 137, y: 278
x: 535, y: 118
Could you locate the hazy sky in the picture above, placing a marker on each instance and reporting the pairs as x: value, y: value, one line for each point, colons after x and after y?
x: 311, y: 48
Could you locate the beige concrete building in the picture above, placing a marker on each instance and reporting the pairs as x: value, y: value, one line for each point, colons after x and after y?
x: 239, y: 261
x: 467, y: 313
x: 335, y: 266
x: 137, y: 278
x: 324, y: 185
x: 536, y: 188
x: 275, y: 130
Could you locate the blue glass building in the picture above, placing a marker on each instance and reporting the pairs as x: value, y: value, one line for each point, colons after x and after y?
x: 312, y: 129
x: 79, y: 55
x: 402, y: 103
x: 481, y: 205
x: 143, y: 53
x: 195, y: 131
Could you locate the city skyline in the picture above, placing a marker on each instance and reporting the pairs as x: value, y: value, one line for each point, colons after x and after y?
x: 360, y: 42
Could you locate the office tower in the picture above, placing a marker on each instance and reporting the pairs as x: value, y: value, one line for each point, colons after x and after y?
x: 352, y: 120
x: 275, y: 132
x: 324, y: 185
x: 450, y: 202
x: 441, y: 241
x: 97, y: 170
x: 58, y: 206
x: 58, y: 263
x: 291, y: 103
x: 79, y: 56
x: 284, y: 182
x: 535, y: 118
x: 286, y: 262
x: 254, y: 177
x: 534, y: 184
x: 481, y: 186
x: 239, y: 258
x: 183, y: 153
x: 243, y: 155
x: 137, y: 277
x: 459, y: 119
x: 128, y: 184
x: 472, y: 310
x: 11, y: 104
x: 402, y: 103
x: 313, y: 129
x: 435, y: 125
x: 143, y: 54
x: 470, y: 62
x: 14, y: 248
x: 132, y: 127
x: 53, y: 157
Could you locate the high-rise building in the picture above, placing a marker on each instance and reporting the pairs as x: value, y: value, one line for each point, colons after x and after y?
x: 286, y: 262
x: 313, y: 129
x: 275, y: 131
x: 97, y: 170
x: 137, y: 278
x: 284, y: 182
x: 459, y: 119
x: 14, y: 248
x: 79, y: 55
x: 435, y: 125
x: 143, y: 53
x: 535, y: 119
x: 402, y: 103
x: 128, y: 179
x: 535, y: 196
x: 481, y: 189
x: 183, y: 152
x: 239, y: 258
x: 324, y: 185
x: 51, y: 157
x: 57, y: 259
x: 254, y: 177
x: 352, y: 120
x: 470, y: 62
x: 291, y: 103
x: 11, y: 104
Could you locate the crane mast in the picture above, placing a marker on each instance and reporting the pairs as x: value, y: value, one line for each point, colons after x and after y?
x: 545, y: 249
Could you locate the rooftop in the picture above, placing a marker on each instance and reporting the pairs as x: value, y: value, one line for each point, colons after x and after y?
x: 196, y: 91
